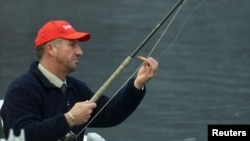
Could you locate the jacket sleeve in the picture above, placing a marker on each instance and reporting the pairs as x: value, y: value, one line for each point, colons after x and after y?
x: 21, y: 111
x: 121, y: 106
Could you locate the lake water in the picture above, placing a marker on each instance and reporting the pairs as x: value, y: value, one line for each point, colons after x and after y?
x: 204, y: 65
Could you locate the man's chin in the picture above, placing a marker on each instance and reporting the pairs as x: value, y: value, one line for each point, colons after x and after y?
x: 73, y: 68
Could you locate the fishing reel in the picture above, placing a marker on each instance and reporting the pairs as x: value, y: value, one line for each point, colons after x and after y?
x: 69, y: 137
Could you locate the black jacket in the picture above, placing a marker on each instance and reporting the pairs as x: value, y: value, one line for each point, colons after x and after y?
x: 34, y: 104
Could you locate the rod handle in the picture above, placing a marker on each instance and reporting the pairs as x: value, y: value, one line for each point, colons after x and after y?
x: 106, y: 84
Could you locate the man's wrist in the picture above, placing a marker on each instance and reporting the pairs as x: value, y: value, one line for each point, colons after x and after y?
x: 70, y: 119
x: 137, y: 86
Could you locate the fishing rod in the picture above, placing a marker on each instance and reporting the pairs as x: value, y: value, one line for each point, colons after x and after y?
x: 73, y: 137
x: 128, y: 59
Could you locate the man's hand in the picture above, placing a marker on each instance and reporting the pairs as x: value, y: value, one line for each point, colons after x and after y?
x: 146, y: 72
x: 80, y: 113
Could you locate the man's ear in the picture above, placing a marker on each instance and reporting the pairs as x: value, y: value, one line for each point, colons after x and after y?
x: 50, y: 50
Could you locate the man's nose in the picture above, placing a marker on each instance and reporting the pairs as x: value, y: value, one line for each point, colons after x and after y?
x: 79, y: 51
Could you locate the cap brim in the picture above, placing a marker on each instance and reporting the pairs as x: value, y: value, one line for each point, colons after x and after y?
x: 81, y: 36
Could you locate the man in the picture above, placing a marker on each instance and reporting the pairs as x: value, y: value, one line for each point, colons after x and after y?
x: 37, y: 103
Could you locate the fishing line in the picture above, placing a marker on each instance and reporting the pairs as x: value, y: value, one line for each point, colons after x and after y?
x: 134, y: 53
x: 180, y: 30
x: 152, y: 50
x: 164, y: 32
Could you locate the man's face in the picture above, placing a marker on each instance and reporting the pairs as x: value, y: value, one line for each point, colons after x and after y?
x: 67, y: 54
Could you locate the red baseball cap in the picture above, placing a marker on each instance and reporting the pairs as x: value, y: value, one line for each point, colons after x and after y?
x: 59, y: 29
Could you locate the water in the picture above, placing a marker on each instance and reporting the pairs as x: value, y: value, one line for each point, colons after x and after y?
x: 203, y: 78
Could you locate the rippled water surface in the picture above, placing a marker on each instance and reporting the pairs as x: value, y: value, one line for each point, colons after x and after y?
x: 203, y: 76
